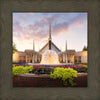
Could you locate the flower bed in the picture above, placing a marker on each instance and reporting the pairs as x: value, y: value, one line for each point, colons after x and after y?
x: 46, y: 69
x: 66, y: 75
x: 77, y: 67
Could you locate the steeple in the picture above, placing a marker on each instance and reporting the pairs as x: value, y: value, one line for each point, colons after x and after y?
x: 66, y: 51
x: 66, y: 46
x: 33, y: 46
x: 50, y: 31
x: 50, y: 36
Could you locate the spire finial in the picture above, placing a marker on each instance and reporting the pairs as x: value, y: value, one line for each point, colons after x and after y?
x: 49, y: 31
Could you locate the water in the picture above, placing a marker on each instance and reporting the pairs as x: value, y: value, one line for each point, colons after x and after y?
x: 50, y: 57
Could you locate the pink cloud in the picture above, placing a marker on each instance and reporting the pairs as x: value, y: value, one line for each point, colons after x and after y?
x: 25, y: 15
x: 80, y: 24
x: 86, y: 22
x: 43, y: 20
x: 31, y: 27
x: 22, y: 19
x: 40, y: 29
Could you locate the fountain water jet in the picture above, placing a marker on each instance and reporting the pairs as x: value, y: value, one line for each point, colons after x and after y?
x: 50, y: 57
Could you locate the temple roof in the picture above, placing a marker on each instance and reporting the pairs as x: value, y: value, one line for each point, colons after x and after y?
x: 51, y: 47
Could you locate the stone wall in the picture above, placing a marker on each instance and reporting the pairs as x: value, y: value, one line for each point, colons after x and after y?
x: 46, y: 81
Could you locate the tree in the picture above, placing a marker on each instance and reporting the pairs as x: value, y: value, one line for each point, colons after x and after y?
x: 14, y: 47
x: 85, y: 48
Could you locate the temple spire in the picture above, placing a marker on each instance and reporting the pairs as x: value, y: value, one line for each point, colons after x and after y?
x: 66, y: 51
x: 50, y: 36
x: 66, y: 46
x: 50, y: 31
x: 33, y: 46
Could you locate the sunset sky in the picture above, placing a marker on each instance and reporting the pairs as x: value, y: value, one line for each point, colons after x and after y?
x: 64, y: 26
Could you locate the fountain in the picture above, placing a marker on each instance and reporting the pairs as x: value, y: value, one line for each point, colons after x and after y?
x: 50, y: 57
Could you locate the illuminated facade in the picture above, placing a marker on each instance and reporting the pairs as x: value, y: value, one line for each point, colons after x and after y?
x: 68, y: 56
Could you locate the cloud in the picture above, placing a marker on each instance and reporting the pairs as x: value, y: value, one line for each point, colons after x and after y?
x: 64, y: 27
x: 40, y: 29
x: 31, y: 27
x: 35, y: 31
x: 80, y: 24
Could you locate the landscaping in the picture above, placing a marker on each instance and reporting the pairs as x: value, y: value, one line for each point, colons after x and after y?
x: 44, y: 69
x: 16, y: 70
x: 66, y: 75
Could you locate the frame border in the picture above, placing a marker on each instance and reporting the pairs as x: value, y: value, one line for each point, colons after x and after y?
x: 7, y: 91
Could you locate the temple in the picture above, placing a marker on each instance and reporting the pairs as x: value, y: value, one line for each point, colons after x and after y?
x: 67, y: 56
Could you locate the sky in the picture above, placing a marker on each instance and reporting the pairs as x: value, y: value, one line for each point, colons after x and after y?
x: 70, y: 27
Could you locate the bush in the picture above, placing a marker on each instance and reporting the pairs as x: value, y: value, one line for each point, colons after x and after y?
x: 81, y: 63
x: 21, y: 70
x: 81, y: 69
x: 43, y: 70
x: 85, y: 66
x: 66, y: 74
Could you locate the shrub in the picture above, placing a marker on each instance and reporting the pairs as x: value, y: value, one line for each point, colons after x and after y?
x: 28, y: 69
x: 21, y: 70
x: 43, y: 70
x: 85, y: 66
x: 81, y: 69
x: 66, y: 74
x: 81, y: 63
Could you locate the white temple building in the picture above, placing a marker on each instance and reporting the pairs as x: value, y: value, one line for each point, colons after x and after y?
x: 68, y: 56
